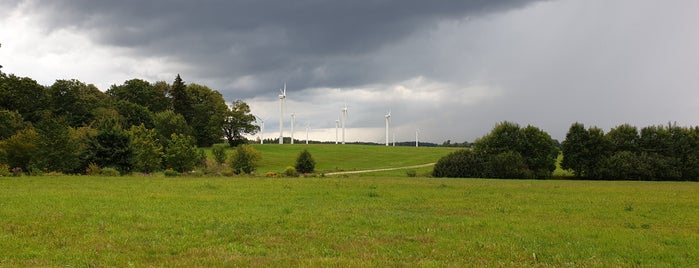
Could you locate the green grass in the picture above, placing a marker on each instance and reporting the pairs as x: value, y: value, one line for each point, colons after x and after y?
x: 345, y: 222
x: 348, y: 157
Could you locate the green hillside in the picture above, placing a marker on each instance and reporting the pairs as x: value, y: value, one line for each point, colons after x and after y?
x: 333, y: 157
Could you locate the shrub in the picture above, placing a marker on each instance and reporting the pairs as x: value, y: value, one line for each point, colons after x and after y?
x: 458, y: 164
x: 290, y: 172
x: 219, y: 152
x: 171, y: 173
x: 5, y: 170
x: 411, y: 173
x: 93, y: 169
x: 182, y: 153
x: 245, y: 159
x: 110, y: 172
x: 305, y: 162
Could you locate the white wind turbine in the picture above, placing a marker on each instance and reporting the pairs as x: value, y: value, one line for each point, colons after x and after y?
x: 417, y: 131
x: 388, y: 124
x: 337, y: 125
x: 262, y: 131
x: 307, y: 127
x: 293, y: 117
x: 344, y: 119
x: 282, y: 100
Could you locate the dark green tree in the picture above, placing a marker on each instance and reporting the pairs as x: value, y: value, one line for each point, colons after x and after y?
x: 305, y: 162
x: 142, y: 93
x: 75, y: 100
x: 147, y: 150
x: 245, y: 159
x: 181, y: 153
x: 23, y: 95
x: 111, y: 147
x: 539, y: 151
x: 624, y: 138
x: 20, y: 150
x: 180, y: 101
x: 167, y: 123
x: 575, y: 151
x: 238, y: 122
x: 57, y: 149
x: 459, y: 164
x: 10, y: 123
x: 208, y: 113
x: 219, y: 152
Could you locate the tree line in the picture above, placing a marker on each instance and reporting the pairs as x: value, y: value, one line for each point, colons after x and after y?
x: 625, y: 153
x: 135, y: 126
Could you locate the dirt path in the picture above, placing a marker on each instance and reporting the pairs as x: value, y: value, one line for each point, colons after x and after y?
x: 376, y: 170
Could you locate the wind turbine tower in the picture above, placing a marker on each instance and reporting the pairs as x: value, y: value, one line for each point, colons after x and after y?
x: 337, y: 125
x: 282, y: 99
x: 417, y: 144
x: 344, y: 119
x: 307, y: 126
x: 388, y: 124
x: 293, y: 116
x: 262, y: 132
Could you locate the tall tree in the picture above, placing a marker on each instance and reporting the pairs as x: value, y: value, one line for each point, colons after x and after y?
x: 142, y: 93
x: 180, y: 101
x: 75, y: 100
x: 24, y: 95
x: 238, y: 122
x: 207, y: 115
x: 575, y: 150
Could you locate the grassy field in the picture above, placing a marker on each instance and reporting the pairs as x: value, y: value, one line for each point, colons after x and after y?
x: 331, y: 157
x: 345, y: 222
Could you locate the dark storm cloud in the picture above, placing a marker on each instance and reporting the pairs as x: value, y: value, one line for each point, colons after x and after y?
x: 308, y: 43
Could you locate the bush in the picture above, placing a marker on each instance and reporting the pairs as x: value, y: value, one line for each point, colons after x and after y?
x: 93, y: 169
x: 5, y: 170
x: 245, y: 159
x: 110, y: 172
x: 305, y: 162
x: 458, y: 164
x: 219, y: 152
x: 290, y: 172
x: 182, y: 153
x: 411, y: 173
x: 171, y: 173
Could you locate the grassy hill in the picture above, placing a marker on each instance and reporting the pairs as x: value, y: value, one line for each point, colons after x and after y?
x: 332, y: 157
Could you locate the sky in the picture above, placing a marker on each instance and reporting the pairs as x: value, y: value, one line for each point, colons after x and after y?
x: 448, y: 69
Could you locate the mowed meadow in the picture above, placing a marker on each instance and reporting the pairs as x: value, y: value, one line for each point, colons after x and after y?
x: 345, y: 221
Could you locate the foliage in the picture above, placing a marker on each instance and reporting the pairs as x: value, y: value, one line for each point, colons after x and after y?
x: 239, y: 122
x: 22, y: 95
x: 110, y: 172
x: 5, y: 170
x: 147, y: 150
x: 93, y: 169
x: 245, y: 159
x: 10, y: 123
x: 656, y: 153
x: 219, y: 152
x: 181, y: 154
x: 508, y: 151
x: 140, y: 92
x: 411, y: 173
x: 20, y: 150
x: 167, y: 123
x: 171, y: 173
x: 290, y: 172
x: 75, y: 100
x: 459, y: 164
x: 208, y: 112
x: 57, y: 149
x: 305, y: 162
x: 111, y: 147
